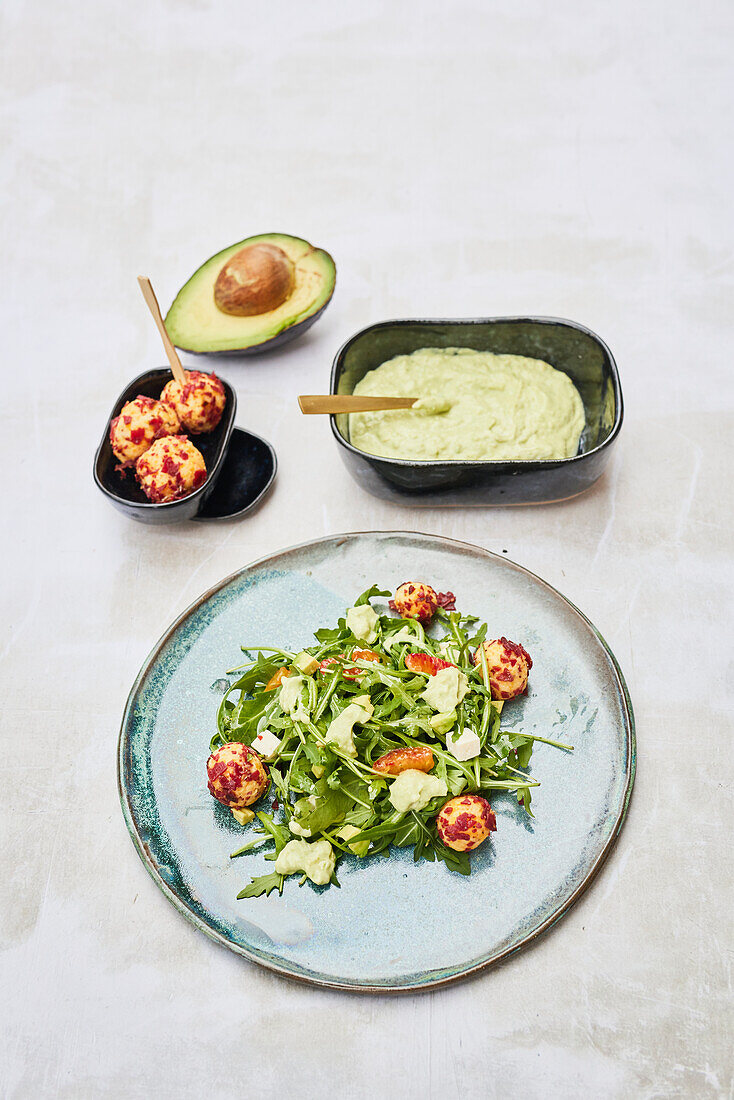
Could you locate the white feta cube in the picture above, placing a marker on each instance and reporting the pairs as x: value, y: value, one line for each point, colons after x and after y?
x: 463, y: 746
x: 266, y: 743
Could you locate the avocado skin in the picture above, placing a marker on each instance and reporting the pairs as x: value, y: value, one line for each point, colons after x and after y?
x: 253, y: 342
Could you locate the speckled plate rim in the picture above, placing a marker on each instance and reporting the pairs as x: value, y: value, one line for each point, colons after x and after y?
x: 272, y: 560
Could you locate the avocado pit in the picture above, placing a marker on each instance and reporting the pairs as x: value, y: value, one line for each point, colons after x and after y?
x: 255, y: 280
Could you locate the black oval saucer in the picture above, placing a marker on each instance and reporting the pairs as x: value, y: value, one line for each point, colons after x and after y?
x: 248, y: 471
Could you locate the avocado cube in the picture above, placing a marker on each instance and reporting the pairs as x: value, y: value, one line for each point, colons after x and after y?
x: 305, y: 663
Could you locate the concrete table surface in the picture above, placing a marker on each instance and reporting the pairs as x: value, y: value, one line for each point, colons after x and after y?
x: 460, y: 159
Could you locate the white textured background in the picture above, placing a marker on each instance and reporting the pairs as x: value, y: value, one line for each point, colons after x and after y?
x: 460, y: 159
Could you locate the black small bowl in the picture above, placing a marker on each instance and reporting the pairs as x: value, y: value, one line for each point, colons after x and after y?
x: 122, y: 488
x: 565, y: 345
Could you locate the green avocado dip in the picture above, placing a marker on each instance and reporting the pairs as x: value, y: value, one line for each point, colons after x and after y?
x: 474, y: 405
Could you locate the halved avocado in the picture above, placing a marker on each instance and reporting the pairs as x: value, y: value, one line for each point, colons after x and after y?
x: 252, y: 296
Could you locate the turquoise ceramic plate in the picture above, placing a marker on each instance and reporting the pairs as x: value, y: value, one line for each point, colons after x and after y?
x: 393, y: 925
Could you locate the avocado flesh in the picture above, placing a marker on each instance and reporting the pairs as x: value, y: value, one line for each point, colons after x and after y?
x: 195, y: 323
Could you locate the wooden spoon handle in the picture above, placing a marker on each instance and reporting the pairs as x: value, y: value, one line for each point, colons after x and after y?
x: 152, y: 302
x: 348, y: 403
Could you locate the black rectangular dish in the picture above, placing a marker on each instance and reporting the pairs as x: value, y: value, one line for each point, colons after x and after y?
x: 565, y: 345
x: 122, y: 489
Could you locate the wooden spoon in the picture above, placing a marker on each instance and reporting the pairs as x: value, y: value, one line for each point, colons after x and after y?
x: 152, y: 302
x: 348, y: 403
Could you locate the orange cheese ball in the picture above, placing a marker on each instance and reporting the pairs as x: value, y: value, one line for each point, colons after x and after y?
x: 199, y: 404
x: 416, y: 600
x: 508, y: 665
x: 171, y: 468
x: 465, y: 822
x: 236, y: 776
x: 139, y: 424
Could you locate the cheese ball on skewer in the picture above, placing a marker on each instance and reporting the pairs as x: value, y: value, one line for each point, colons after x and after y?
x: 139, y: 424
x: 199, y: 403
x: 171, y: 468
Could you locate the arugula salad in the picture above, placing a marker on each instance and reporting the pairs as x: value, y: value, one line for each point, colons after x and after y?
x: 385, y: 732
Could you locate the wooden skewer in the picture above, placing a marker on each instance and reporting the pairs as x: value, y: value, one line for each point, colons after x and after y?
x: 349, y: 403
x: 152, y: 302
